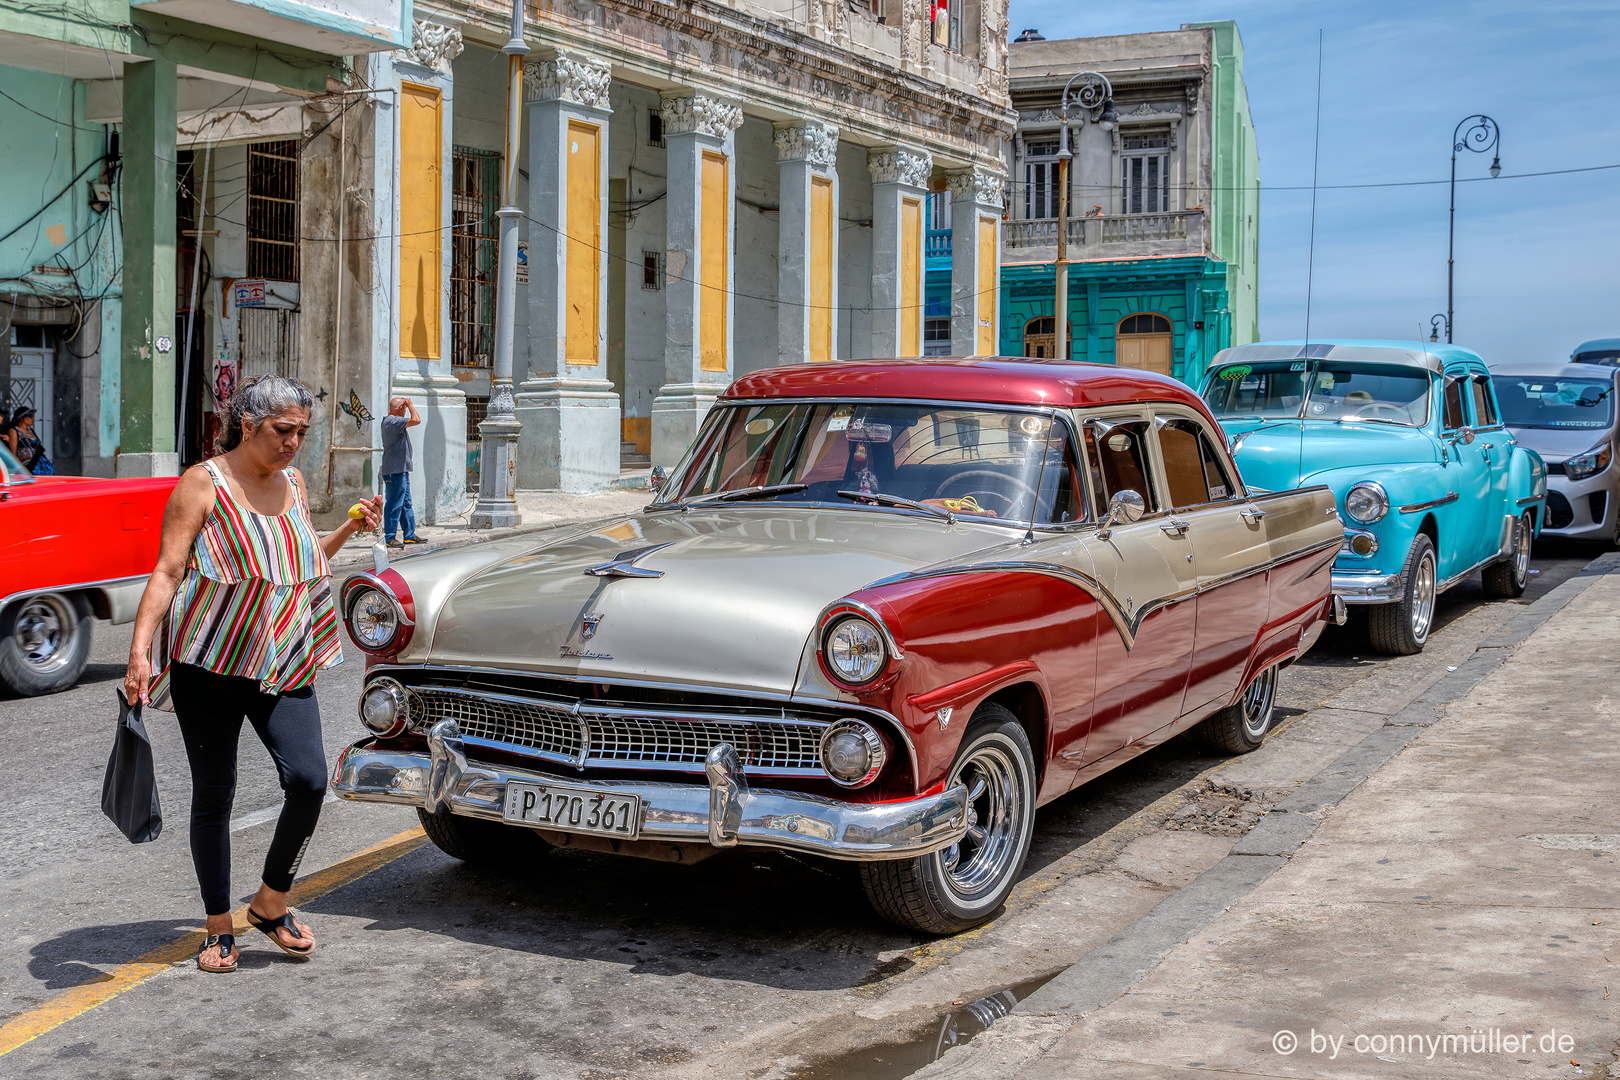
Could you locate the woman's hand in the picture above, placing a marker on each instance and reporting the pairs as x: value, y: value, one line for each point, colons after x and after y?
x: 373, y: 508
x: 137, y: 678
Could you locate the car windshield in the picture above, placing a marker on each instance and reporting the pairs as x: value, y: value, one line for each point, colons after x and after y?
x: 1536, y: 401
x: 11, y: 470
x: 969, y: 461
x: 1320, y: 390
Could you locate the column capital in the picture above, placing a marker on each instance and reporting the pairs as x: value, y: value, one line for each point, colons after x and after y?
x: 976, y: 185
x: 806, y: 140
x: 433, y: 46
x: 900, y: 165
x: 687, y: 112
x: 571, y: 77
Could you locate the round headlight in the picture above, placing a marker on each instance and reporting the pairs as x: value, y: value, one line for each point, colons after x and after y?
x: 373, y: 619
x: 1366, y: 502
x: 854, y: 650
x: 852, y: 753
x: 384, y: 707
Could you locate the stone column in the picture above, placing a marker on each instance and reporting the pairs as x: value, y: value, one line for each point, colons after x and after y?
x: 807, y: 251
x: 975, y: 261
x: 899, y: 186
x: 698, y: 267
x: 567, y: 405
x: 145, y: 445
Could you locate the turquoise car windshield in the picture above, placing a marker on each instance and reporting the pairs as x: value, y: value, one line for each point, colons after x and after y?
x: 1542, y: 402
x: 1349, y: 393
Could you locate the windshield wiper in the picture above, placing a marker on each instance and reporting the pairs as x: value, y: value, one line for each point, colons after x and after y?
x: 895, y: 500
x: 762, y: 492
x: 1373, y: 420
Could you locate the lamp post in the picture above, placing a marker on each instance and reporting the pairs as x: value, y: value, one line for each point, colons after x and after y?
x: 1482, y: 136
x: 1436, y: 324
x: 498, y: 433
x: 1095, y: 93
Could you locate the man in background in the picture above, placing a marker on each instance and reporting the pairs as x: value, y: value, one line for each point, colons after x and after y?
x: 396, y: 471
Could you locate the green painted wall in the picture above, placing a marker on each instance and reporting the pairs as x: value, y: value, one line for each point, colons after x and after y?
x: 1235, y: 200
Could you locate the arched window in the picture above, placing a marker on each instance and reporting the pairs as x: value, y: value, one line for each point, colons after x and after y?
x: 1040, y: 337
x: 1143, y: 341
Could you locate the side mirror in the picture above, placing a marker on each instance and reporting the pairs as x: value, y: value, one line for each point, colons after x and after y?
x: 1124, y: 508
x: 656, y: 479
x: 1465, y: 435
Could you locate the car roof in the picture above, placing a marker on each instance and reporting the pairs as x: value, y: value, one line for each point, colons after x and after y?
x: 1434, y: 356
x: 1549, y: 368
x: 1602, y: 344
x: 990, y: 380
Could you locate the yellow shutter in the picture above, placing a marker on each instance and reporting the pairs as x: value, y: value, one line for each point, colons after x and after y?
x: 714, y: 242
x: 584, y: 282
x: 985, y: 308
x: 421, y: 187
x: 823, y: 221
x: 911, y: 277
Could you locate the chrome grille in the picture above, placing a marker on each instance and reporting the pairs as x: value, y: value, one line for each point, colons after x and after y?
x: 533, y: 725
x: 760, y: 744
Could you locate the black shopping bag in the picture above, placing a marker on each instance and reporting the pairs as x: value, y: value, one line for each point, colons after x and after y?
x: 129, y: 792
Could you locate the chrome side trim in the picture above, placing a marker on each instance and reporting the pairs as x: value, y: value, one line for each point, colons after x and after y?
x: 106, y: 583
x: 443, y: 780
x: 1448, y: 497
x: 1530, y: 500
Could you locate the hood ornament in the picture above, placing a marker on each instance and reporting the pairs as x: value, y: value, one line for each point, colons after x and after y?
x: 623, y: 564
x: 588, y: 625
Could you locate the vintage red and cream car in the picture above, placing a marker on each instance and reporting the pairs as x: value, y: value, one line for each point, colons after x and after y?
x: 881, y: 612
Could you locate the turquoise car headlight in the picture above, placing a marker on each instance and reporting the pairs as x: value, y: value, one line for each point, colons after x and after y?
x: 1590, y: 463
x: 1366, y: 502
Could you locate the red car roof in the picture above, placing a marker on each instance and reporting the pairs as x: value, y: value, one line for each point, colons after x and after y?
x: 1001, y: 380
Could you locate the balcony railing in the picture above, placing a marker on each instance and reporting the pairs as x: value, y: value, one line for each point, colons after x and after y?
x: 1178, y: 232
x: 937, y: 244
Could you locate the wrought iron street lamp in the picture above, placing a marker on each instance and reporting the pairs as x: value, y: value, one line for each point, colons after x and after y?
x: 498, y: 434
x: 1481, y: 136
x: 1436, y: 324
x: 1095, y: 94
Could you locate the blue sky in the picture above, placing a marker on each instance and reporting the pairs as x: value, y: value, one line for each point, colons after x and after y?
x: 1538, y: 259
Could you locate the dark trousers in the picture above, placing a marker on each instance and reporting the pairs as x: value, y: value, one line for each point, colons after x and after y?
x: 210, y: 708
x: 397, y: 506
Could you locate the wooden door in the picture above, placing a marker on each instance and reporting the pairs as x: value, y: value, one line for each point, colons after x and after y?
x: 1149, y: 352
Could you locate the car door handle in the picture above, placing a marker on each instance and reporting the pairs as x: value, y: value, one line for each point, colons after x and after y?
x: 1174, y: 528
x: 1251, y: 514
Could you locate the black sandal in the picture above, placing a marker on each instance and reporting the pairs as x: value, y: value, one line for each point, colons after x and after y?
x: 228, y: 953
x: 268, y: 927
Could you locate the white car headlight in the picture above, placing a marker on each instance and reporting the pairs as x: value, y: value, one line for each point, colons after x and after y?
x: 1366, y: 502
x: 854, y: 650
x: 852, y: 753
x: 1590, y: 463
x: 373, y: 618
x: 385, y: 707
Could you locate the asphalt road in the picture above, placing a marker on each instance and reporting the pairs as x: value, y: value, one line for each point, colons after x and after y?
x: 749, y: 964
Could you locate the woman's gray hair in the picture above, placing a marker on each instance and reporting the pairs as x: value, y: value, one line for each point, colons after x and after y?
x: 257, y: 400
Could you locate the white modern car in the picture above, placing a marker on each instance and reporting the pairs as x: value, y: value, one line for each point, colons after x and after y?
x: 1567, y: 414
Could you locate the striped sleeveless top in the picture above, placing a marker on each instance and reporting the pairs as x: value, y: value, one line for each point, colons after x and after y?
x: 255, y: 600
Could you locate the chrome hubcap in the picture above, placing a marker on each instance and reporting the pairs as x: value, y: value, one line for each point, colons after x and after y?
x: 1423, y: 597
x: 977, y: 864
x: 1521, y: 552
x: 43, y: 628
x: 1257, y: 703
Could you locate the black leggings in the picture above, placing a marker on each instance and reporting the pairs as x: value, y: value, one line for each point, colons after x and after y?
x: 210, y: 708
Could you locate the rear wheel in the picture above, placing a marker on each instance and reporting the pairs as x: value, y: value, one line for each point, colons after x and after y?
x: 1402, y: 628
x: 483, y: 843
x: 47, y: 645
x: 1506, y: 579
x: 963, y: 885
x: 1241, y: 728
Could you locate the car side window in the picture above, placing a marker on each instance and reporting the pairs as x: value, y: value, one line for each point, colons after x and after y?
x: 1118, y: 456
x: 1062, y: 498
x: 1193, y: 470
x: 1484, y: 402
x: 1455, y: 417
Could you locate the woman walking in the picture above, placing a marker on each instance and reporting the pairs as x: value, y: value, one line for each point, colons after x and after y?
x: 238, y: 617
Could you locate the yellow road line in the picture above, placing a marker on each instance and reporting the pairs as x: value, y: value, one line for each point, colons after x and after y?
x: 81, y: 999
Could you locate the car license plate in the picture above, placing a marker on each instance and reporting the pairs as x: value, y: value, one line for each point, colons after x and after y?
x: 574, y: 809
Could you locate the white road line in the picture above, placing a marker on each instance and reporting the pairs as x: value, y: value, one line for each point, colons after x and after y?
x: 269, y: 813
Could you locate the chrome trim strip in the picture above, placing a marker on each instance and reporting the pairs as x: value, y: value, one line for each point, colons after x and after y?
x: 1529, y: 500
x: 1448, y: 497
x: 105, y: 583
x: 444, y: 780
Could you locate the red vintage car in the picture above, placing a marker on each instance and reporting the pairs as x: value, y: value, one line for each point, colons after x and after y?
x: 72, y: 549
x: 881, y: 612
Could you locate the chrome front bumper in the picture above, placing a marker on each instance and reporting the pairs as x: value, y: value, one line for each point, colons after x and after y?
x: 724, y: 813
x: 1367, y: 588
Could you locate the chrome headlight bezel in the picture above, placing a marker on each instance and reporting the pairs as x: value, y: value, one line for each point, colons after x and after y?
x: 1589, y: 464
x: 385, y: 707
x: 871, y: 743
x: 376, y: 627
x: 838, y: 644
x: 1370, y: 497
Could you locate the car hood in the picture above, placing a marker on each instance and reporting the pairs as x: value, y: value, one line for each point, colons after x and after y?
x: 738, y: 598
x: 1278, y: 455
x: 1556, y: 444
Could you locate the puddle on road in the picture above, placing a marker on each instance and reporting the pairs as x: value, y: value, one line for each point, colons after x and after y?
x: 892, y: 1061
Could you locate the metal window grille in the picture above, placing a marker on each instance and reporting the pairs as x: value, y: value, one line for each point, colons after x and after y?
x: 474, y: 198
x: 655, y: 129
x: 477, y: 411
x: 269, y: 340
x: 652, y: 270
x: 272, y: 225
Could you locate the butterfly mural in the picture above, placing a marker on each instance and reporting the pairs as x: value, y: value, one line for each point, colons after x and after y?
x: 356, y: 408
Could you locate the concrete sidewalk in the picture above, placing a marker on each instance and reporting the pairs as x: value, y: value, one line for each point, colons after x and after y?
x: 1436, y: 894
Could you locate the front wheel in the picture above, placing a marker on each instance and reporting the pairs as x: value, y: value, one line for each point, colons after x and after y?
x: 47, y: 647
x: 480, y: 842
x: 963, y: 885
x: 1402, y: 628
x: 1506, y: 579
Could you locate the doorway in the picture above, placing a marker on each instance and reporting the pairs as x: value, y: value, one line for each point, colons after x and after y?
x: 1040, y: 338
x: 33, y: 365
x: 1143, y: 341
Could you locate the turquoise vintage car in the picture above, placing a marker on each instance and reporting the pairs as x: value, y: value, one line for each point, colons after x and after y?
x: 1430, y: 485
